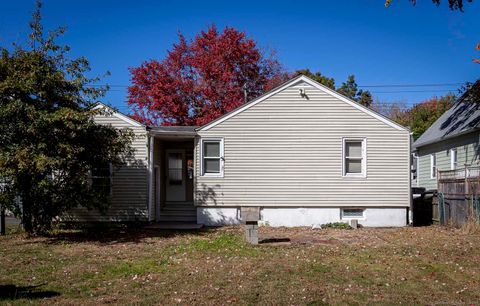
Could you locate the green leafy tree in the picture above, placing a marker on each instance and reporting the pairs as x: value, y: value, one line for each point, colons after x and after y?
x: 421, y: 116
x: 317, y: 76
x: 49, y: 143
x: 348, y: 88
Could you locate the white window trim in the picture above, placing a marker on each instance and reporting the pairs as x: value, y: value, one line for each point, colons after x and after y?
x: 433, y: 173
x: 453, y: 164
x: 363, y: 217
x: 363, y: 174
x: 222, y: 157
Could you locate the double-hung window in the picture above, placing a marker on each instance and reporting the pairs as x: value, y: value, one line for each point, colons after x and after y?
x: 453, y: 159
x: 433, y: 166
x: 354, y: 157
x: 212, y: 157
x: 101, y: 178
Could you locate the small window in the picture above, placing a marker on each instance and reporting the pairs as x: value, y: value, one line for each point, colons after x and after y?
x: 212, y: 157
x: 354, y: 157
x: 433, y: 166
x: 352, y: 213
x: 453, y: 159
x: 102, y: 178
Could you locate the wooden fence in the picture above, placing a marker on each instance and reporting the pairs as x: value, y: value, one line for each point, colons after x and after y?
x: 459, y: 195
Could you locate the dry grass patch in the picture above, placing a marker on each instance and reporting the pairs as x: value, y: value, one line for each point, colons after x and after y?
x: 299, y: 266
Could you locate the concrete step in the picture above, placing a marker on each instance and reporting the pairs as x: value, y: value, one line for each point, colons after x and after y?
x: 179, y: 207
x: 179, y: 203
x: 175, y: 225
x: 178, y: 218
x: 178, y: 213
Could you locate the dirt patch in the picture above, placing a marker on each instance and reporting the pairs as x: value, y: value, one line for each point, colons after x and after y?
x: 309, y: 236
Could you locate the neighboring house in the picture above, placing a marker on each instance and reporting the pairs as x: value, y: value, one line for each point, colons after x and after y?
x: 452, y: 142
x: 302, y: 153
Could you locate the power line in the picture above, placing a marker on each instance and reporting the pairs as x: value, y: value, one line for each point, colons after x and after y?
x: 365, y: 86
x: 413, y: 85
x: 411, y: 91
x: 373, y: 92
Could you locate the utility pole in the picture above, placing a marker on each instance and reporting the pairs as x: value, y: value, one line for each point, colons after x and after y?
x: 245, y: 93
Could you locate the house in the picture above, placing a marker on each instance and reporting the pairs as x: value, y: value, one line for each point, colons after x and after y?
x: 452, y: 142
x: 302, y: 153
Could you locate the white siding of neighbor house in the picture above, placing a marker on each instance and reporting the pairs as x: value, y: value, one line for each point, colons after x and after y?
x: 467, y: 153
x: 287, y: 151
x: 129, y: 182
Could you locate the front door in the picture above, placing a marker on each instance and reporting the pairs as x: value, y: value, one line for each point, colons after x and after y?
x: 176, y: 175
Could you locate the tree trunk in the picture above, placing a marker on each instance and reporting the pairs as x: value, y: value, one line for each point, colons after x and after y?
x: 27, y: 217
x: 27, y: 221
x: 2, y: 222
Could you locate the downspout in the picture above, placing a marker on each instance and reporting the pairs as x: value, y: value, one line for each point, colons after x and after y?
x: 410, y: 196
x: 150, y: 177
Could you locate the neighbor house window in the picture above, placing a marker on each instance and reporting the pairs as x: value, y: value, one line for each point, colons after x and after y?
x: 453, y: 159
x: 352, y: 213
x: 433, y: 166
x: 354, y: 157
x: 212, y: 157
x: 101, y: 176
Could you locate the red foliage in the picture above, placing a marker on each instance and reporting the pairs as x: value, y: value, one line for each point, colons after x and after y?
x: 200, y: 80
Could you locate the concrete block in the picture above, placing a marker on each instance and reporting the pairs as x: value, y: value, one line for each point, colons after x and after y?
x: 251, y: 233
x: 250, y: 214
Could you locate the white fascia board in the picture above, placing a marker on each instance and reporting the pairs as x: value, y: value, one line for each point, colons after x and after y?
x: 119, y: 115
x: 314, y: 84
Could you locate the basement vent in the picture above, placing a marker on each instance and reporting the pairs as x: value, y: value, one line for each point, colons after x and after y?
x: 349, y: 213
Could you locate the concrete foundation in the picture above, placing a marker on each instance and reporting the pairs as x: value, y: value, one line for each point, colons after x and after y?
x: 303, y: 216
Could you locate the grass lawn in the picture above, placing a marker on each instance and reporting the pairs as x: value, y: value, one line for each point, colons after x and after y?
x: 430, y: 265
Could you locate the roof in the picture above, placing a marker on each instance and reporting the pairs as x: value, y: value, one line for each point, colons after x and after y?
x: 463, y: 117
x: 312, y: 83
x: 174, y: 130
x: 118, y: 114
x: 170, y: 129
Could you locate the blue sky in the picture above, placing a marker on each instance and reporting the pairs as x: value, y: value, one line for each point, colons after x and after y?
x: 402, y: 45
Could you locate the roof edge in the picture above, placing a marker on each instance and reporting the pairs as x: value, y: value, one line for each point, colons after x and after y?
x: 315, y: 84
x: 436, y: 140
x: 119, y: 114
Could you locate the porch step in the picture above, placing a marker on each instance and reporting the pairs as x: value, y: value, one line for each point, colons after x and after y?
x: 178, y: 218
x: 175, y: 225
x: 179, y: 207
x: 178, y: 212
x: 192, y: 212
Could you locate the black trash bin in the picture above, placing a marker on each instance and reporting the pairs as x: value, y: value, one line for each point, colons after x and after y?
x: 422, y: 208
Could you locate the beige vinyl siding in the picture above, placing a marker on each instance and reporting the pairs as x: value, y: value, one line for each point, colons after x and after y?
x: 467, y: 153
x: 129, y: 181
x: 287, y: 151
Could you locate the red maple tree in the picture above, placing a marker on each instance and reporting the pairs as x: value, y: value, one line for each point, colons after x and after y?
x: 201, y: 79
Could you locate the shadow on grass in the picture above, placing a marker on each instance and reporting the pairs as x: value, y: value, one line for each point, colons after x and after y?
x: 13, y: 292
x: 274, y: 240
x: 119, y: 235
